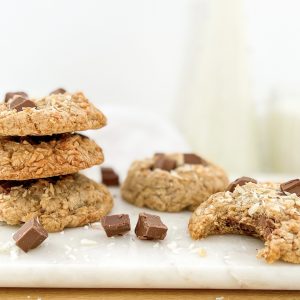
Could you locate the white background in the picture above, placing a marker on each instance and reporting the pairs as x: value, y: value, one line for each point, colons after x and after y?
x: 142, y: 54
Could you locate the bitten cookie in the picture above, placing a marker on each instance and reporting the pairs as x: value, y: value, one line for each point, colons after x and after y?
x: 58, y: 202
x: 172, y: 182
x: 23, y: 158
x: 263, y: 210
x: 56, y: 113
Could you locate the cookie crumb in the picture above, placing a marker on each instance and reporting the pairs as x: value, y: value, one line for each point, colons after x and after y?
x: 202, y: 252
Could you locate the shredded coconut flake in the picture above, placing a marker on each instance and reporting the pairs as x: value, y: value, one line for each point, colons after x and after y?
x: 252, y: 210
x: 87, y: 242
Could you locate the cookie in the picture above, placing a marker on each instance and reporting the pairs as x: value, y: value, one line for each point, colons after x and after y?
x: 59, y: 202
x: 172, y: 182
x: 23, y: 158
x: 257, y: 209
x: 56, y: 113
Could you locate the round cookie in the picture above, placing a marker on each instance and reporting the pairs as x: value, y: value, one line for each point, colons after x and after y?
x: 259, y: 209
x: 23, y: 158
x: 56, y: 113
x: 59, y: 202
x: 172, y: 182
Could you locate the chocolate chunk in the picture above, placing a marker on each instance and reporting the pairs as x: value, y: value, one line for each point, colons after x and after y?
x: 292, y: 186
x: 58, y: 91
x: 266, y: 225
x: 150, y: 227
x: 30, y: 235
x: 164, y: 163
x: 193, y: 159
x: 12, y: 94
x: 109, y: 177
x: 19, y: 103
x: 240, y: 181
x: 116, y: 224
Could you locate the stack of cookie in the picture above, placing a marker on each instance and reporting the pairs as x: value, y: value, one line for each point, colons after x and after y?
x: 40, y: 156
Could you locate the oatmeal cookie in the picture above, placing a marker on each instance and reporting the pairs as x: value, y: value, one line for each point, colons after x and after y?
x: 59, y: 202
x: 56, y: 113
x: 262, y: 210
x: 23, y: 158
x: 172, y: 182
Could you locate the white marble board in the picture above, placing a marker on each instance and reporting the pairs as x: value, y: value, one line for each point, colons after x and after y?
x: 85, y: 257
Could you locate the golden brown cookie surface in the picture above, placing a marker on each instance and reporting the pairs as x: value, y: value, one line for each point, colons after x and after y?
x: 59, y: 202
x: 23, y: 158
x: 165, y: 186
x: 56, y: 113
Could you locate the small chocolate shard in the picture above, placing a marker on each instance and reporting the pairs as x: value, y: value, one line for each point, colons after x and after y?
x: 116, y: 224
x: 150, y: 227
x: 58, y: 91
x: 30, y: 235
x: 110, y: 177
x: 193, y: 159
x: 266, y: 225
x: 19, y: 103
x: 291, y: 186
x: 164, y: 163
x: 11, y: 95
x: 240, y: 181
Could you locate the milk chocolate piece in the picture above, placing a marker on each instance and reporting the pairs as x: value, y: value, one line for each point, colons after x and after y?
x: 19, y: 103
x: 30, y: 235
x: 12, y: 94
x: 116, y: 224
x: 240, y: 181
x: 109, y: 177
x: 58, y: 91
x: 193, y: 159
x: 150, y: 227
x: 164, y: 163
x: 292, y: 186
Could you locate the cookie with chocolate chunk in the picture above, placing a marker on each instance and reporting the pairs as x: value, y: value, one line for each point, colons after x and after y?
x: 268, y: 211
x: 23, y: 158
x: 172, y: 182
x: 60, y: 112
x: 58, y: 202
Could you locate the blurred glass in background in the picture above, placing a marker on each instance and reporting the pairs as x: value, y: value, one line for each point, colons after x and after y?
x: 225, y: 73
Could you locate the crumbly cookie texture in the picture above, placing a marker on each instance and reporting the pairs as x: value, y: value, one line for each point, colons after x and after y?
x: 260, y: 210
x: 23, y: 158
x: 66, y: 201
x: 185, y: 187
x: 57, y: 113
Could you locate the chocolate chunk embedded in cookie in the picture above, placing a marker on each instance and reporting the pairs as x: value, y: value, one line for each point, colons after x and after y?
x: 23, y: 158
x: 172, y: 186
x: 257, y: 209
x: 70, y: 201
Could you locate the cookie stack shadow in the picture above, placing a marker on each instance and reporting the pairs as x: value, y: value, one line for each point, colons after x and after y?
x: 40, y: 157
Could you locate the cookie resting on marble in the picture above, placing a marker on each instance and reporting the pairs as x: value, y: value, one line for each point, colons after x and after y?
x: 53, y: 114
x: 264, y: 210
x: 23, y: 158
x: 172, y: 182
x: 59, y: 202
